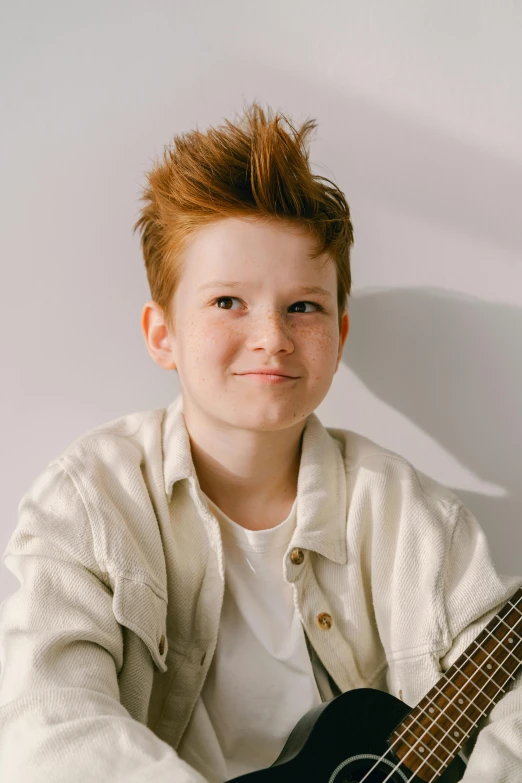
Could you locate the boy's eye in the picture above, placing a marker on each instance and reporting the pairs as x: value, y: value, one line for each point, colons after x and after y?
x: 224, y: 298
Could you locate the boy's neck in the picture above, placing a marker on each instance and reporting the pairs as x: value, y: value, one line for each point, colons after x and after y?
x: 251, y: 476
x: 255, y: 508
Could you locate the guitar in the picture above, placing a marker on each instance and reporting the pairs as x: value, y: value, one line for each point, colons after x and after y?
x: 370, y: 735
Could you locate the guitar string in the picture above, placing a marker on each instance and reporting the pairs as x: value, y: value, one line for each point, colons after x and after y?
x: 469, y: 680
x: 458, y: 691
x: 444, y: 709
x: 514, y: 606
x: 437, y: 772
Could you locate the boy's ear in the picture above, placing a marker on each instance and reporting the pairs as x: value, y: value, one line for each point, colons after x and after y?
x: 156, y: 335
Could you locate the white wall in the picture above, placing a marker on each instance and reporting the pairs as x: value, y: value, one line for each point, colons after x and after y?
x: 420, y: 123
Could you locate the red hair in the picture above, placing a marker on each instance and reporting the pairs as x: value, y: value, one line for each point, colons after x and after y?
x: 254, y: 168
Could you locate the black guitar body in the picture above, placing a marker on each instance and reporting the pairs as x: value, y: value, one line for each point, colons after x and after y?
x: 340, y: 740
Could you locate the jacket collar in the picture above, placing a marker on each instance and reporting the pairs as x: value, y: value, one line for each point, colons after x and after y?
x: 322, y: 508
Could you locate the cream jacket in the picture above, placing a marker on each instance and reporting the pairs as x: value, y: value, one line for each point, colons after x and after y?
x: 105, y: 645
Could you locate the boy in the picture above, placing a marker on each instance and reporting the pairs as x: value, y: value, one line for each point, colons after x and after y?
x: 195, y: 579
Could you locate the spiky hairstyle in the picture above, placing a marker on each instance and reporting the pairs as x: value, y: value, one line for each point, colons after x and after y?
x: 254, y: 168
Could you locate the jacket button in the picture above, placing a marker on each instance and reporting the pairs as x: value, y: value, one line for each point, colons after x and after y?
x: 162, y: 644
x: 324, y: 621
x: 297, y: 556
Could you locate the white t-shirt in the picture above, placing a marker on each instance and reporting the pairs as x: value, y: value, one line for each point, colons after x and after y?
x: 261, y: 680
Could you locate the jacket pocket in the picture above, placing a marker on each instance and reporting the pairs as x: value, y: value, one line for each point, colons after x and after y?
x: 139, y: 608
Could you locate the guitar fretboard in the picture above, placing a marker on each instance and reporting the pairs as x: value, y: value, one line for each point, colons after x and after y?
x: 438, y: 726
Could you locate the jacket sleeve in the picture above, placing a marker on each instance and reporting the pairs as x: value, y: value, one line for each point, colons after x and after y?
x: 474, y: 594
x: 61, y: 650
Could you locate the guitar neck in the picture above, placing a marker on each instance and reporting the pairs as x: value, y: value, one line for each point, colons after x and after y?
x: 438, y: 726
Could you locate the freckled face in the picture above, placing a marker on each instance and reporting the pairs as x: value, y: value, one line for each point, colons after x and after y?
x: 265, y: 321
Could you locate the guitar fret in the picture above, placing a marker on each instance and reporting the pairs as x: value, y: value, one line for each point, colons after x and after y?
x: 497, y: 671
x: 462, y: 712
x: 471, y: 703
x: 425, y: 740
x: 469, y: 679
x: 417, y: 748
x: 435, y: 730
x: 509, y: 674
x: 444, y: 731
x: 513, y: 633
x: 459, y: 733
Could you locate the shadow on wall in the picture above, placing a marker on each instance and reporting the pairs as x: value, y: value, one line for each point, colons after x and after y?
x: 452, y: 365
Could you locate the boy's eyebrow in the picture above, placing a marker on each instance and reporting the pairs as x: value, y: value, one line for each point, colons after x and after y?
x: 304, y: 289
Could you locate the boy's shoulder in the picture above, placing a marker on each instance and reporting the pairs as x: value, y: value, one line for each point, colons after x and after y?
x: 364, y: 458
x: 125, y: 437
x: 125, y: 426
x: 115, y: 466
x: 113, y: 473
